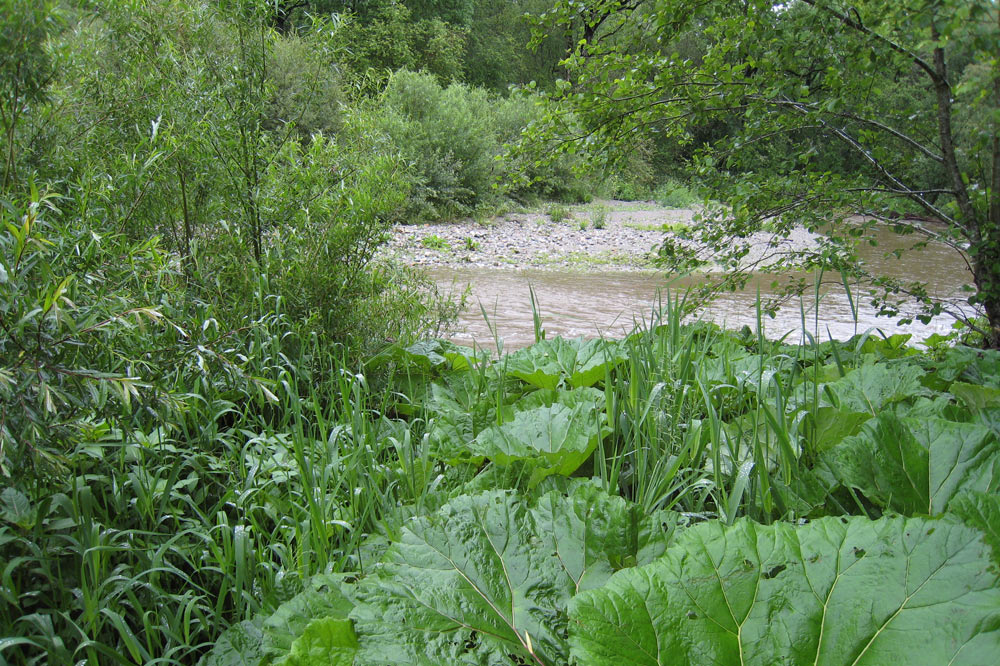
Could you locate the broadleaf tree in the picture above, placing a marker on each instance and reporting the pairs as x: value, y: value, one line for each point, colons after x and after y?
x: 823, y: 114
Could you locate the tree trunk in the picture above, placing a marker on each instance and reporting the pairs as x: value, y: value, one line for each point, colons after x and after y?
x: 986, y: 265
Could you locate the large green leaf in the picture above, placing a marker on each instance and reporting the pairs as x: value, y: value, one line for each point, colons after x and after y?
x: 828, y: 425
x: 556, y: 437
x: 870, y: 388
x: 577, y: 361
x: 241, y: 645
x: 976, y: 397
x: 916, y: 465
x: 426, y: 357
x: 489, y: 574
x: 982, y: 511
x: 833, y: 592
x: 322, y: 598
x: 456, y: 418
x: 326, y: 641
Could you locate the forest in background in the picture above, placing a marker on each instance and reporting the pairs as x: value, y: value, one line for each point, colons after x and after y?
x: 218, y: 409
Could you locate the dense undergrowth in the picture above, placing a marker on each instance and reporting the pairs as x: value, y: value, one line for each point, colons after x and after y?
x: 671, y: 497
x: 261, y: 502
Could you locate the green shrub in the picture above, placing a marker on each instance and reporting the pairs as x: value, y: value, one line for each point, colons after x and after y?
x: 304, y: 85
x: 71, y: 323
x: 384, y: 37
x: 674, y: 194
x: 435, y: 242
x: 531, y: 176
x: 448, y: 135
x: 162, y: 457
x: 328, y: 207
x: 599, y: 217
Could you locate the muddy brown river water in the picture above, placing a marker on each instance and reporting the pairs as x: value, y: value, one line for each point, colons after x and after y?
x: 590, y: 304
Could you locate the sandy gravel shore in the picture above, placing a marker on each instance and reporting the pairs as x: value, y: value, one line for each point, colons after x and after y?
x: 601, y: 236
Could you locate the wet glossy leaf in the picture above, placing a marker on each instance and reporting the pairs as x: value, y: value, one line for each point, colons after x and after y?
x: 832, y: 592
x: 470, y: 583
x: 325, y: 642
x: 982, y: 511
x: 578, y: 362
x: 916, y: 465
x: 871, y: 387
x: 556, y: 437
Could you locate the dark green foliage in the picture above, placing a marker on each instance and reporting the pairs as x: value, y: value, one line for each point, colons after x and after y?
x: 448, y: 135
x: 496, y: 56
x: 26, y: 70
x: 389, y: 37
x: 453, y: 137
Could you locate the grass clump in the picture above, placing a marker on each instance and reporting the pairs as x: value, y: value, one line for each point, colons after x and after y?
x: 599, y: 217
x: 558, y: 213
x: 435, y: 242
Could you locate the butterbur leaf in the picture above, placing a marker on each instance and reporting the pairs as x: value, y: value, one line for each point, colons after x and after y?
x: 589, y: 398
x: 557, y: 437
x: 871, y: 387
x: 310, y: 628
x: 982, y: 511
x: 892, y: 347
x: 975, y: 397
x: 828, y: 426
x: 579, y: 362
x: 15, y: 507
x: 321, y: 599
x: 837, y: 591
x: 455, y: 424
x: 594, y: 359
x: 325, y: 642
x: 426, y: 356
x: 472, y: 582
x: 241, y: 645
x: 916, y: 465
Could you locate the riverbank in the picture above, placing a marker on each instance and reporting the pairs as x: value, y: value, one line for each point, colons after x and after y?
x: 606, y: 235
x: 591, y: 270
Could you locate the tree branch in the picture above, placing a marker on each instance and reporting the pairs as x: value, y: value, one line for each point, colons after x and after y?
x: 856, y: 24
x: 915, y: 195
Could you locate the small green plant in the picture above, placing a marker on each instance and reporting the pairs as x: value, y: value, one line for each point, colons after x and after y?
x: 559, y: 213
x: 599, y: 217
x: 471, y: 244
x: 584, y: 224
x: 669, y: 227
x: 435, y: 242
x: 674, y: 227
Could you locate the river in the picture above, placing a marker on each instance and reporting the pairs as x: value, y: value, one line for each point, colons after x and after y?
x: 591, y: 304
